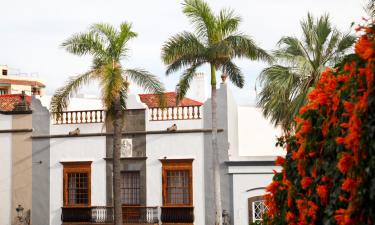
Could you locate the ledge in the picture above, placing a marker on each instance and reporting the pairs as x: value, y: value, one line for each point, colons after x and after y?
x: 128, y: 158
x: 126, y: 133
x: 16, y: 131
x: 250, y: 163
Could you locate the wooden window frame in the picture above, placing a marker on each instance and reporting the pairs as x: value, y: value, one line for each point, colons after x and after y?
x: 76, y: 167
x: 176, y: 165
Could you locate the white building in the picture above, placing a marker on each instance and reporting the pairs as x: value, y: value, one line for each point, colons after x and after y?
x: 166, y: 162
x: 14, y: 84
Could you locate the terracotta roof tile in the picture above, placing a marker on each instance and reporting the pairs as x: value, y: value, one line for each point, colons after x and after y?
x: 8, y: 102
x: 22, y: 82
x: 152, y: 100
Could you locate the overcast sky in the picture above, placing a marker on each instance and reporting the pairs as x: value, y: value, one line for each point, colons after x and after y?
x: 31, y: 32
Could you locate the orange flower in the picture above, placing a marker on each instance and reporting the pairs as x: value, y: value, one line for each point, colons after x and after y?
x: 304, y: 109
x: 290, y: 217
x: 343, y: 77
x: 345, y: 163
x: 306, y: 182
x: 364, y: 48
x: 348, y: 184
x: 301, y: 168
x: 322, y: 192
x: 326, y: 179
x: 349, y: 107
x: 343, y: 217
x: 280, y: 161
x: 340, y: 140
x: 306, y: 127
x: 272, y: 188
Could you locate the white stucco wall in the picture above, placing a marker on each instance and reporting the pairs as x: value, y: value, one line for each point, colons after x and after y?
x: 76, y: 149
x: 232, y: 125
x: 5, y: 170
x: 17, y: 89
x: 245, y: 179
x: 175, y: 146
x: 256, y: 135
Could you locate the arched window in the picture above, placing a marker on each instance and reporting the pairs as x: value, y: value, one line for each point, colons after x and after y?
x: 256, y: 208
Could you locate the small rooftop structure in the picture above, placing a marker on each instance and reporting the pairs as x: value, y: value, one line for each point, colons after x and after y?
x: 14, y: 103
x: 12, y: 84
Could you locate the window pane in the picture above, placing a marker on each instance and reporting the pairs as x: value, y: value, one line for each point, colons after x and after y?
x: 78, y: 188
x: 130, y: 188
x: 178, y: 187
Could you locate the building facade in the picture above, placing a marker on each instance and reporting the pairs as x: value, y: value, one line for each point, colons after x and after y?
x: 14, y: 84
x: 166, y: 163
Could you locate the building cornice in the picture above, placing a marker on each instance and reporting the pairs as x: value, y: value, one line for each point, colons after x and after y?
x: 125, y: 133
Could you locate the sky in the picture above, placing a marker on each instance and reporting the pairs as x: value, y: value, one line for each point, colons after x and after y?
x: 31, y: 33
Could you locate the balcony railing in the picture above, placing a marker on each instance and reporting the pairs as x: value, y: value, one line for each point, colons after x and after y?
x: 104, y: 214
x: 140, y: 214
x: 76, y: 214
x: 175, y: 113
x: 75, y: 117
x: 177, y: 214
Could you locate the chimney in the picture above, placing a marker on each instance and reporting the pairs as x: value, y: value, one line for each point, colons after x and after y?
x: 22, y: 106
x: 198, y: 88
x: 4, y: 70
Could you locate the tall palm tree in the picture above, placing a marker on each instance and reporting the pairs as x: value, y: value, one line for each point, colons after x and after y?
x: 216, y: 41
x: 297, y: 68
x: 108, y: 46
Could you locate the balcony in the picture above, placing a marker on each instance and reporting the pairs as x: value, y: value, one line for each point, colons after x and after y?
x: 104, y: 215
x: 175, y: 113
x: 77, y: 117
x: 173, y: 214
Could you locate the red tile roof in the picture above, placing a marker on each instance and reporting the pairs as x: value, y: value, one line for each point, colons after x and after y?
x: 22, y: 82
x: 8, y: 102
x: 152, y: 100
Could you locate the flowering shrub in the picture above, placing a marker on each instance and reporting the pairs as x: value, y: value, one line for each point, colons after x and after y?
x: 328, y: 174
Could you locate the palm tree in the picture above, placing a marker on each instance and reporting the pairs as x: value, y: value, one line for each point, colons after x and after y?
x: 216, y: 41
x: 108, y: 46
x: 297, y: 68
x: 370, y: 9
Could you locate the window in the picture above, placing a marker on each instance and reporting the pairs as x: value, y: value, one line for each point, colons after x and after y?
x: 3, y: 91
x: 35, y: 91
x: 130, y: 188
x: 257, y: 208
x: 178, y: 187
x: 177, y: 182
x: 77, y: 183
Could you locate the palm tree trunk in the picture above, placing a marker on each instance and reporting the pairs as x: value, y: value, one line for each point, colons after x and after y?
x: 215, y: 152
x: 117, y: 129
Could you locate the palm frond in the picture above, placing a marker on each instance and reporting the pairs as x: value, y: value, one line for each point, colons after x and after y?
x: 124, y: 36
x: 184, y: 82
x: 144, y: 79
x: 244, y: 46
x: 181, y: 45
x: 60, y: 99
x: 346, y: 42
x: 234, y: 73
x: 228, y: 22
x: 85, y: 43
x: 105, y: 31
x: 202, y: 18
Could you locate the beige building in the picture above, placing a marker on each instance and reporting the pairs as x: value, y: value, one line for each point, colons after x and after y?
x: 16, y: 158
x: 14, y: 84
